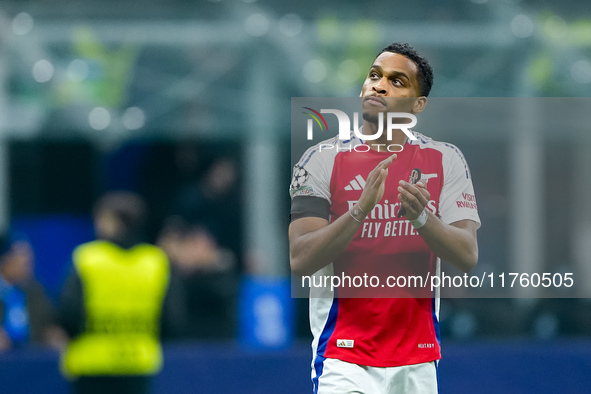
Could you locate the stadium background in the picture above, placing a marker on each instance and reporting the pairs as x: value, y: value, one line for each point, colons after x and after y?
x: 148, y: 96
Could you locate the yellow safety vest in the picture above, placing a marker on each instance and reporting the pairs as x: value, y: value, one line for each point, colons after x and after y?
x: 123, y: 294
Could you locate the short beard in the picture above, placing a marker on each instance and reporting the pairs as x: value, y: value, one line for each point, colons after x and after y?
x: 371, y: 118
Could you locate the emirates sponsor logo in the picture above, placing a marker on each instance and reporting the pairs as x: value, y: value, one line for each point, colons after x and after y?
x: 389, y: 210
x: 382, y: 221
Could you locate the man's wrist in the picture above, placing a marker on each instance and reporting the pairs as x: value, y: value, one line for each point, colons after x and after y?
x: 358, y: 213
x: 420, y: 221
x: 361, y: 209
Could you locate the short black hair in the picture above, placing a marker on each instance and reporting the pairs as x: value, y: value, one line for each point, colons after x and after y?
x: 424, y: 73
x: 130, y: 208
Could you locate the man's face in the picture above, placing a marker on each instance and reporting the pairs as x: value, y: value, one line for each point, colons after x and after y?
x: 18, y: 263
x: 108, y: 226
x: 390, y: 86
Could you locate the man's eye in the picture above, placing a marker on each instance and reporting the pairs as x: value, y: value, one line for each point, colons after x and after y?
x: 373, y: 75
x: 397, y: 82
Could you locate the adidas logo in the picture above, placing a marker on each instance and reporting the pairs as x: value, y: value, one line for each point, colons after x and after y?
x: 347, y: 343
x: 356, y: 184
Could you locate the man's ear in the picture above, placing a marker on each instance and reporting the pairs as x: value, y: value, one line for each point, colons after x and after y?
x: 419, y: 104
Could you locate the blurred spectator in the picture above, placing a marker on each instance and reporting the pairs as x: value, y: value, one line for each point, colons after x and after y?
x: 214, y: 203
x: 114, y: 302
x: 163, y: 169
x: 26, y: 313
x: 207, y: 277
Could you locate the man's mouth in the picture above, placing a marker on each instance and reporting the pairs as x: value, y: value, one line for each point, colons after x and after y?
x: 374, y: 100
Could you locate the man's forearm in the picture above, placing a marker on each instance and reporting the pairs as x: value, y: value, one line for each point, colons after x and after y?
x: 316, y: 249
x: 454, y: 243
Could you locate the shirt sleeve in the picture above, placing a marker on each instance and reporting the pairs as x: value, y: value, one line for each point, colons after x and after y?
x: 457, y: 201
x: 310, y: 185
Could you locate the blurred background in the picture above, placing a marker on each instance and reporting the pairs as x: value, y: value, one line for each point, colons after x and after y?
x: 187, y: 103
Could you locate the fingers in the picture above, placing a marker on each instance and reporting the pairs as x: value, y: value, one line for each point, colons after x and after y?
x: 386, y: 163
x: 414, y: 198
x: 383, y: 175
x: 410, y: 208
x: 383, y: 165
x: 375, y: 183
x: 378, y: 180
x: 419, y: 190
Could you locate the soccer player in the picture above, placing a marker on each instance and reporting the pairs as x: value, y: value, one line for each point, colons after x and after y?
x: 381, y: 345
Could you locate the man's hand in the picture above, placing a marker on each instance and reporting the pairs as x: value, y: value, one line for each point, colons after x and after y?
x: 414, y: 198
x: 455, y: 243
x: 374, y: 186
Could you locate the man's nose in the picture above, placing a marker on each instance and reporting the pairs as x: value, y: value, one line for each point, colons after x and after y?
x: 378, y: 88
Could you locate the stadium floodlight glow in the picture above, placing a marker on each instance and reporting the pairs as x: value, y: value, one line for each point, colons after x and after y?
x: 522, y: 26
x: 43, y: 71
x: 133, y: 118
x: 99, y: 118
x: 290, y: 25
x: 77, y: 70
x: 257, y: 25
x: 348, y: 71
x: 22, y: 24
x: 314, y: 71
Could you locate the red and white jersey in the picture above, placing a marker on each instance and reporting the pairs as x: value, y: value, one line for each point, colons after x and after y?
x: 381, y: 332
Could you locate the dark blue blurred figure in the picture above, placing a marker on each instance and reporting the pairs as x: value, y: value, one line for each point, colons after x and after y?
x: 26, y: 314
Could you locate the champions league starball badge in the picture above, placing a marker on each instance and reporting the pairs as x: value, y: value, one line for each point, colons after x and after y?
x: 300, y: 176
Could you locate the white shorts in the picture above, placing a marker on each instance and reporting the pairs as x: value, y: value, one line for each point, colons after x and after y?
x: 332, y: 376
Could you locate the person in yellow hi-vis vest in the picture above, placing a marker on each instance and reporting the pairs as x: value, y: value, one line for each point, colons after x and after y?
x: 112, y: 303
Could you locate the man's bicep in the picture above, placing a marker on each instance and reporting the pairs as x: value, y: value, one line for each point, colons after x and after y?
x: 305, y: 225
x: 308, y: 214
x: 468, y: 225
